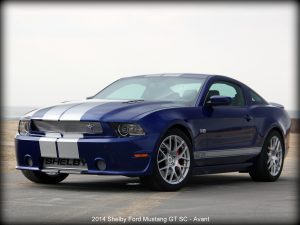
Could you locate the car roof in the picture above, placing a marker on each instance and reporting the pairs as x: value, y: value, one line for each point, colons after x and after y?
x: 191, y: 75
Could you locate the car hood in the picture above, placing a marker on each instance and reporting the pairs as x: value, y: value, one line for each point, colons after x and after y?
x: 98, y: 110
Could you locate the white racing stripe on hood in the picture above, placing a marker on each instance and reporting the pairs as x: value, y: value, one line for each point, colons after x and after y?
x: 74, y: 110
x: 57, y: 111
x: 75, y: 113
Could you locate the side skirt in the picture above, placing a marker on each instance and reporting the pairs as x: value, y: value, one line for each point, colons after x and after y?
x: 221, y: 168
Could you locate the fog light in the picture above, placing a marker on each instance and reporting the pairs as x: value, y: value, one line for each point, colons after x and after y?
x: 101, y: 165
x: 28, y: 160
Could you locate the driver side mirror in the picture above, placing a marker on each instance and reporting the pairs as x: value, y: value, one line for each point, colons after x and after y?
x: 217, y: 100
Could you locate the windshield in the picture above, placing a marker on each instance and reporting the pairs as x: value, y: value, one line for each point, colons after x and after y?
x: 154, y: 88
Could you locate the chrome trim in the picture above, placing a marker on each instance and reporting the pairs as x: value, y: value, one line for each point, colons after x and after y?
x: 64, y: 170
x: 227, y: 152
x: 72, y: 135
x: 53, y: 135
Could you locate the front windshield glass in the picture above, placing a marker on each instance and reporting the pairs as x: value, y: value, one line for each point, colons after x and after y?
x: 154, y: 88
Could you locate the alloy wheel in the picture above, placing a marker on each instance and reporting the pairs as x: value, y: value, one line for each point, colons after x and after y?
x: 274, y: 152
x: 173, y: 159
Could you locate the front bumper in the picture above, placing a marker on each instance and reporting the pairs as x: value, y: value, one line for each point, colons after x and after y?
x: 118, y: 153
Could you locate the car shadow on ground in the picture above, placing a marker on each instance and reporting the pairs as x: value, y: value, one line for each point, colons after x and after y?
x: 126, y: 184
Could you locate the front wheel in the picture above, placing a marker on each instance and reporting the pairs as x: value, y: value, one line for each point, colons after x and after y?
x: 269, y: 163
x: 44, y: 178
x: 173, y: 163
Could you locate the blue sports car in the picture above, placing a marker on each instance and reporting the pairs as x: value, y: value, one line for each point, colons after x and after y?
x: 162, y: 128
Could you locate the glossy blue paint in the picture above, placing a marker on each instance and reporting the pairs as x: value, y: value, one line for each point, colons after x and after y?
x: 209, y: 129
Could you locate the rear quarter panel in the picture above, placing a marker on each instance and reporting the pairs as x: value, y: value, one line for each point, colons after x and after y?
x: 268, y: 117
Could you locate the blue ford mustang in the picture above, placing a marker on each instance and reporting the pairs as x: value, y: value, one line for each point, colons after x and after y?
x: 162, y: 128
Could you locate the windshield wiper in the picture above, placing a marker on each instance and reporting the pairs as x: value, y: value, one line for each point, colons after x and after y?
x: 135, y: 101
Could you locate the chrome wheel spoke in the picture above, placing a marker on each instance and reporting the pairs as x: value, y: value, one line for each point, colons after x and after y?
x: 166, y: 173
x: 270, y: 165
x: 161, y: 160
x: 183, y: 152
x: 176, y: 176
x: 179, y: 146
x: 170, y: 144
x: 167, y: 147
x: 164, y: 157
x: 274, y: 168
x: 269, y: 160
x: 186, y: 159
x: 181, y: 169
x: 172, y: 174
x: 163, y: 168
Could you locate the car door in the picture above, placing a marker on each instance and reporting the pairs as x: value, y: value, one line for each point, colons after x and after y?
x: 229, y: 130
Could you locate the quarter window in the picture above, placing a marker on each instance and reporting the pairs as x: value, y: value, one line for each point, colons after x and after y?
x: 256, y: 99
x: 229, y: 90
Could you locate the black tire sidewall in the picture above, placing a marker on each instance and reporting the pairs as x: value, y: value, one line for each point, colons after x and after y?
x: 43, y: 178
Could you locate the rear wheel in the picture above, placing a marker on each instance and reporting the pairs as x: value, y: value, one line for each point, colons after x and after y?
x: 269, y: 163
x: 44, y: 178
x: 173, y: 162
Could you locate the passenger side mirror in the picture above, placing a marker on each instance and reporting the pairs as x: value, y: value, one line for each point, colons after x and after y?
x: 89, y: 97
x: 216, y: 100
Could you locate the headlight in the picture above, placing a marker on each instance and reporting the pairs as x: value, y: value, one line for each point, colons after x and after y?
x: 24, y: 127
x: 128, y: 129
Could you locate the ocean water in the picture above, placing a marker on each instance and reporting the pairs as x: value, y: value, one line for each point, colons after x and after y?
x: 14, y: 113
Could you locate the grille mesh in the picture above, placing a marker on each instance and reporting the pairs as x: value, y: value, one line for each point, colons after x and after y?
x: 43, y: 126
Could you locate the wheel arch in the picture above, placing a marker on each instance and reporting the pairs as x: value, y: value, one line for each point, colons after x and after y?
x: 184, y: 129
x: 180, y: 125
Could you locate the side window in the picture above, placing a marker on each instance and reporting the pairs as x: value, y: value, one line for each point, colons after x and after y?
x: 229, y: 90
x: 256, y: 99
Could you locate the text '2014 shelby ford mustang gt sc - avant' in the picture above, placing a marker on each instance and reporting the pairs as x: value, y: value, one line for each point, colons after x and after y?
x: 162, y: 128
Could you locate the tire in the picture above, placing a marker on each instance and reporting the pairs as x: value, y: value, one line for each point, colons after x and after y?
x: 172, y: 168
x: 269, y: 164
x: 44, y: 178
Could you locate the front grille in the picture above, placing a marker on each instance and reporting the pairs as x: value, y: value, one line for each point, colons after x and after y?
x: 44, y: 126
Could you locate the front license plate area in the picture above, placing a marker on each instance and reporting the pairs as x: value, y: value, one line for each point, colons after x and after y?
x: 58, y: 163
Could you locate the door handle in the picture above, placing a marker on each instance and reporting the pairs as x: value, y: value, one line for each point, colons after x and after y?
x: 248, y: 117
